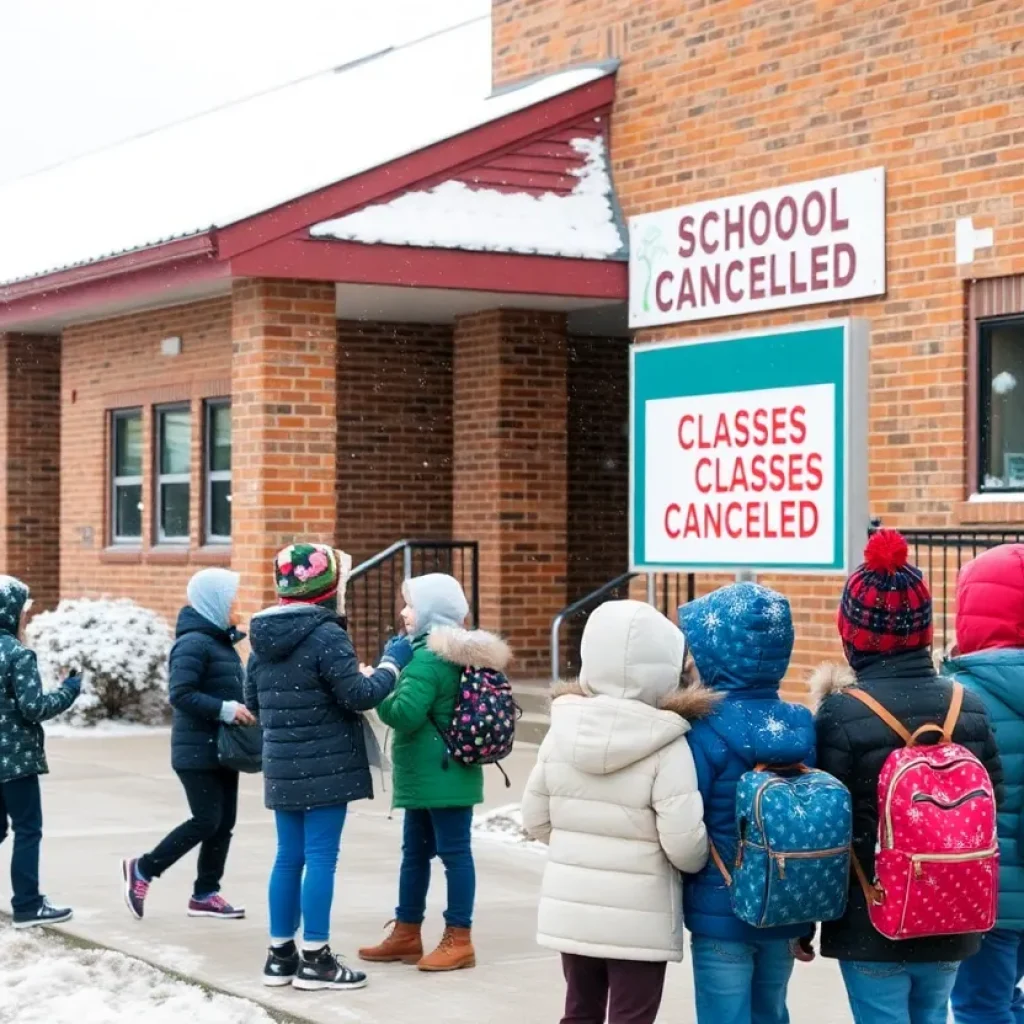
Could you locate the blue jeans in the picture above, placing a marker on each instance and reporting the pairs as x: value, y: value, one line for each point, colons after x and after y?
x: 302, y: 882
x: 882, y: 993
x: 987, y: 989
x: 443, y: 833
x: 21, y: 803
x: 741, y: 982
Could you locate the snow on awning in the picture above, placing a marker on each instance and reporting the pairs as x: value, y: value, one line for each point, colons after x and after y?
x: 583, y: 223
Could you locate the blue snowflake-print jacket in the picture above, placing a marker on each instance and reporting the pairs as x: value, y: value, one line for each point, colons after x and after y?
x: 23, y: 704
x: 741, y: 639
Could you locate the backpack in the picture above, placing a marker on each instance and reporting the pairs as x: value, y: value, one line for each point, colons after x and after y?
x: 483, y: 725
x: 793, y: 858
x: 937, y: 859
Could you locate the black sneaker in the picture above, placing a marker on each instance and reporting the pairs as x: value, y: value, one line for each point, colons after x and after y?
x: 281, y: 967
x: 321, y: 969
x: 46, y: 914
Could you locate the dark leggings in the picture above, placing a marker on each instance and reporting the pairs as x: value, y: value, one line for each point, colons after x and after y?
x: 619, y: 991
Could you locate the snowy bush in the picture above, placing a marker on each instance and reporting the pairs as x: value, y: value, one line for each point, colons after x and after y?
x: 121, y: 651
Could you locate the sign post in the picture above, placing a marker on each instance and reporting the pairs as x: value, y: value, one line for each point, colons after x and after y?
x: 748, y: 452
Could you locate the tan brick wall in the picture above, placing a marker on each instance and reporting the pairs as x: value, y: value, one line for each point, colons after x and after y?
x: 116, y: 364
x: 733, y: 97
x: 30, y: 470
x: 284, y: 381
x: 510, y: 470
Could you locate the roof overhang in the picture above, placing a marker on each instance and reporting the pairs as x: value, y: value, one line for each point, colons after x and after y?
x: 276, y: 243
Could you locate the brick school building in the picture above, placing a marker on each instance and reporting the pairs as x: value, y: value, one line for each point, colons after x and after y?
x: 391, y: 301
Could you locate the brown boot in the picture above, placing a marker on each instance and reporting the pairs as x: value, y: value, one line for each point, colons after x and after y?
x: 454, y: 952
x: 402, y: 944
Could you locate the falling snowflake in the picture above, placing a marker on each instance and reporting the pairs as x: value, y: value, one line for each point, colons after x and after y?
x: 712, y: 620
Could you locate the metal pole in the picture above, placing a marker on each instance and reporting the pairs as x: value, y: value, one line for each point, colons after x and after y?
x: 652, y: 589
x: 746, y: 576
x: 407, y: 562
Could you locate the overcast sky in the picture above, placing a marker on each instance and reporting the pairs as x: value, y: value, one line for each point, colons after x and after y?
x: 79, y: 74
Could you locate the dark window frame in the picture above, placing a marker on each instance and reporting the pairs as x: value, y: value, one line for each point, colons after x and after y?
x: 983, y: 362
x: 212, y: 476
x: 116, y: 482
x: 160, y: 478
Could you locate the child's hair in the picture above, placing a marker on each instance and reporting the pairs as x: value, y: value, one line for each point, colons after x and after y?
x: 689, y: 676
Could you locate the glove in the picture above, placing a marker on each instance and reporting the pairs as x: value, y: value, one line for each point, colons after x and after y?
x: 73, y: 684
x: 397, y: 652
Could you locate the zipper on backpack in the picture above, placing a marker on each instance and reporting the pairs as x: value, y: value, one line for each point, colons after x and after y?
x: 896, y: 778
x: 919, y: 859
x: 781, y: 858
x: 927, y: 798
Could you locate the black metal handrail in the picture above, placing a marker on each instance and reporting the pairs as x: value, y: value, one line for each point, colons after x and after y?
x: 375, y: 586
x: 661, y: 597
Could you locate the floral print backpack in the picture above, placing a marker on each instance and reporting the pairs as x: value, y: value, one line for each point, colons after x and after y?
x: 483, y: 727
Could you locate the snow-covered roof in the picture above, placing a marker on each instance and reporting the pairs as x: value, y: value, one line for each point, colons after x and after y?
x: 242, y: 159
x: 454, y: 215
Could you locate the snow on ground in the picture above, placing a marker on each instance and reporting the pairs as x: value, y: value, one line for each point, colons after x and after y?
x: 45, y: 981
x: 105, y: 729
x: 505, y: 825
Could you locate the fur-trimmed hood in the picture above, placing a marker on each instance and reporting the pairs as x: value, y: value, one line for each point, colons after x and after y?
x: 469, y: 647
x: 689, y: 702
x: 828, y: 678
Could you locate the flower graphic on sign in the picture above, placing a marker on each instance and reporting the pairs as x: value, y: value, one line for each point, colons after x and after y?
x: 650, y: 250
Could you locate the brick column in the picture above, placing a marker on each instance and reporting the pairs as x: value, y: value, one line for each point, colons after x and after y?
x: 30, y: 467
x: 509, y: 466
x: 284, y: 423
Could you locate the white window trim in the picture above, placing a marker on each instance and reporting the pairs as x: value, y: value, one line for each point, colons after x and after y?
x: 160, y: 478
x: 132, y: 540
x: 212, y: 476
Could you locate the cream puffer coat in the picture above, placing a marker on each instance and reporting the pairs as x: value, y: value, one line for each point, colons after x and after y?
x: 614, y: 793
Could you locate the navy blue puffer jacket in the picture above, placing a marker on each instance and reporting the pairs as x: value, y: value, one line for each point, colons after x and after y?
x: 304, y: 685
x: 205, y: 671
x: 741, y: 638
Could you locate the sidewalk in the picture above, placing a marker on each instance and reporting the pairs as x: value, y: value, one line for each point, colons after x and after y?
x: 107, y: 798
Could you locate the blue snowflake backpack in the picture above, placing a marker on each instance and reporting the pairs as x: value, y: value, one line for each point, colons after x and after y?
x: 792, y: 864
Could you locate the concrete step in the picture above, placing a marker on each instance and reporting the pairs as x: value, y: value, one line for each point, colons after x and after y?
x: 534, y: 697
x: 532, y: 728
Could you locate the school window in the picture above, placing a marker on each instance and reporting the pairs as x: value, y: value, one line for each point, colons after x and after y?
x: 174, y: 458
x: 218, y: 472
x: 126, y: 476
x: 1001, y: 412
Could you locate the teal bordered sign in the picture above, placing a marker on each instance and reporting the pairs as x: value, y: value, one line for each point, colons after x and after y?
x: 749, y: 451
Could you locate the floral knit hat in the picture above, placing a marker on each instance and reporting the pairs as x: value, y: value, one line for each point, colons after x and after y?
x: 310, y: 573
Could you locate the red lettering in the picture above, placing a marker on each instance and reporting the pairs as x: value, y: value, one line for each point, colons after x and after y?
x: 711, y: 217
x: 815, y: 202
x: 788, y: 526
x: 687, y: 237
x: 777, y: 469
x: 837, y: 223
x: 713, y: 521
x: 761, y: 427
x: 754, y: 519
x: 769, y: 533
x: 814, y: 472
x: 840, y: 277
x: 734, y: 531
x: 778, y: 426
x: 777, y: 288
x: 796, y: 420
x: 796, y: 286
x: 692, y: 527
x: 733, y: 227
x: 673, y: 508
x: 722, y: 431
x: 711, y: 286
x: 687, y: 296
x: 683, y: 420
x: 702, y: 441
x: 796, y: 472
x: 739, y: 476
x: 756, y: 236
x: 733, y: 294
x: 759, y: 480
x: 742, y: 428
x: 787, y: 203
x: 808, y: 519
x: 819, y: 268
x: 757, y: 277
x: 665, y: 277
x: 703, y: 463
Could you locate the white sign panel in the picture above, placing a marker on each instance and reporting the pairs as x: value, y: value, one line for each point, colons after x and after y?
x: 796, y: 245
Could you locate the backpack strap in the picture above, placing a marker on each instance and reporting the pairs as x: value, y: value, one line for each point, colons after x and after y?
x: 955, y: 706
x: 890, y: 720
x: 874, y: 895
x: 720, y: 864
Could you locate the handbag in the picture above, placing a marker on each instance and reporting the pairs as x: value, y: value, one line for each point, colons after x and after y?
x: 240, y: 748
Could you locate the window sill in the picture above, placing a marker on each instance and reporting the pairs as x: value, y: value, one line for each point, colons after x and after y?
x: 213, y: 554
x: 118, y: 555
x: 167, y: 554
x: 997, y: 510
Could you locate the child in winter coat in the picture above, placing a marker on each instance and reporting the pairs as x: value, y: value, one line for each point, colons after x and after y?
x: 205, y: 690
x: 885, y: 621
x: 23, y: 706
x: 305, y: 686
x: 614, y: 794
x: 436, y: 792
x: 989, y: 660
x: 741, y: 638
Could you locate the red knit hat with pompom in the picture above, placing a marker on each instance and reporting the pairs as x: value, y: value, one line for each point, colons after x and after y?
x: 886, y: 606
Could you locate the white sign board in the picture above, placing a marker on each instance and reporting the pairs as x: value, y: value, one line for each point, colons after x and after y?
x: 796, y: 245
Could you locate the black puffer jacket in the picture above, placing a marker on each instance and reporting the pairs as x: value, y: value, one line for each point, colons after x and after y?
x: 304, y: 685
x: 205, y: 671
x: 853, y: 744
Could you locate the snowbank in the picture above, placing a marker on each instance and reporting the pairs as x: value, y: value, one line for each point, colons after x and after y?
x: 505, y: 825
x: 44, y: 981
x: 104, y: 729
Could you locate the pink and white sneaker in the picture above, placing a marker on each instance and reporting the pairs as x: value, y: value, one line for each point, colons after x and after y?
x: 136, y: 888
x: 214, y: 906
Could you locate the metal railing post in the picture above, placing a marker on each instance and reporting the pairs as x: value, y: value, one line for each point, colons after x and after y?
x: 407, y: 562
x: 652, y: 589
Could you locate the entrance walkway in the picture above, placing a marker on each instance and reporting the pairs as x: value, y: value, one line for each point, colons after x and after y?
x: 110, y: 797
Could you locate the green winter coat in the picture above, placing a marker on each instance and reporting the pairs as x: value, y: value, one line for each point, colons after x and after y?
x: 23, y: 704
x: 426, y: 694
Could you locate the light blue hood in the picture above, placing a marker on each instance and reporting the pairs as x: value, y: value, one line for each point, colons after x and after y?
x: 996, y: 673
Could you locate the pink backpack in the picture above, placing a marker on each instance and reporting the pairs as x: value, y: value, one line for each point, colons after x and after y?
x: 937, y: 858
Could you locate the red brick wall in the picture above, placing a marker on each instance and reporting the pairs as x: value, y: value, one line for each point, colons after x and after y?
x: 510, y: 481
x: 30, y: 471
x: 394, y: 434
x: 729, y: 98
x: 115, y: 364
